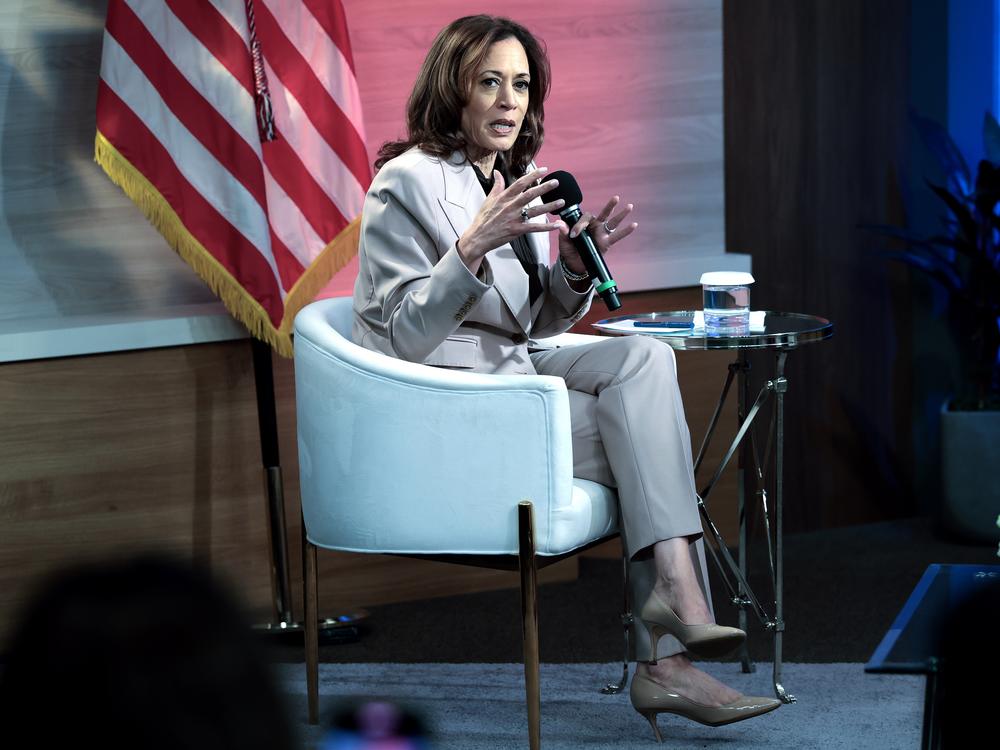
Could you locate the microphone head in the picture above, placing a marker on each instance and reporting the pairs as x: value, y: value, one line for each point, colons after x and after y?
x: 568, y: 189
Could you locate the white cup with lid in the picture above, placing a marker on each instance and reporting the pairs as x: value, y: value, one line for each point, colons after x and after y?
x: 726, y: 302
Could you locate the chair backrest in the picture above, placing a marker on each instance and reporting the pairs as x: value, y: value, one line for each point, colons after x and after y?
x: 402, y: 457
x: 339, y: 315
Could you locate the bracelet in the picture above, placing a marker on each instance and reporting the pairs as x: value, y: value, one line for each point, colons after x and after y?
x: 570, y: 274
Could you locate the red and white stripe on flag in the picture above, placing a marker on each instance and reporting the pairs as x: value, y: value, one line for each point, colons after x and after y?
x: 264, y: 223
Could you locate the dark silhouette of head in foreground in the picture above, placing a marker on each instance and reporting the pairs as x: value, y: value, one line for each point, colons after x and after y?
x: 148, y: 653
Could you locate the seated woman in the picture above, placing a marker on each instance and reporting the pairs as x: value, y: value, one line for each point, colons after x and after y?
x: 454, y: 272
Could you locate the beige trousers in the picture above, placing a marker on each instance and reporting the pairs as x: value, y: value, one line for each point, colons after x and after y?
x: 629, y: 432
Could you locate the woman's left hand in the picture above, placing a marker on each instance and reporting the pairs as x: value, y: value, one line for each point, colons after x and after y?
x: 605, y: 230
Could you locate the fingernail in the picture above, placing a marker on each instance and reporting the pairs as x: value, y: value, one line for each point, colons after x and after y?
x: 543, y: 169
x: 560, y: 202
x: 573, y: 232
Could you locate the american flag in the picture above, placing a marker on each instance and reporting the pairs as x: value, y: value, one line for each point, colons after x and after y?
x: 183, y: 120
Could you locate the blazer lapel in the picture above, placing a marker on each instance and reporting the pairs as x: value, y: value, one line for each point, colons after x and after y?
x: 462, y: 200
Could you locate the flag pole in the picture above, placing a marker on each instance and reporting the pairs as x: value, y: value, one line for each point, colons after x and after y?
x: 267, y: 421
x: 342, y: 628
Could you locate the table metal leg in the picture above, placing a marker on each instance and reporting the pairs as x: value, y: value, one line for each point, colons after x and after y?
x: 741, y: 594
x: 743, y: 367
x: 733, y: 368
x: 727, y: 565
x: 744, y: 443
x: 780, y: 386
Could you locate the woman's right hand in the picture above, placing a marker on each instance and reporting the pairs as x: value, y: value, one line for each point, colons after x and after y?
x: 500, y: 219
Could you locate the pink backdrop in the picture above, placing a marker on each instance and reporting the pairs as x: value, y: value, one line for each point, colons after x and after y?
x: 635, y: 108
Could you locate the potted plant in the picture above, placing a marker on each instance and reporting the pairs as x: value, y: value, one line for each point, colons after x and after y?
x: 964, y: 258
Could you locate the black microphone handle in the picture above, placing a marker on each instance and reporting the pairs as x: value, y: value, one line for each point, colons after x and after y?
x: 593, y: 262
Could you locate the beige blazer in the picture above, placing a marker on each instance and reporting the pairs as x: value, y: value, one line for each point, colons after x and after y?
x: 415, y: 299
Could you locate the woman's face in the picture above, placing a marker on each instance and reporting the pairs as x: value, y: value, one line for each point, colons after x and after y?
x: 499, y: 99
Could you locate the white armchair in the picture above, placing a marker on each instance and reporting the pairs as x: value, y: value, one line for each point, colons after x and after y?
x: 403, y: 458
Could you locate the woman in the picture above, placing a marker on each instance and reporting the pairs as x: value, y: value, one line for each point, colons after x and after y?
x: 454, y: 272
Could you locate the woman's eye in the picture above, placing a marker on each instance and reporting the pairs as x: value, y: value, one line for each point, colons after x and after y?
x: 491, y: 82
x: 521, y: 85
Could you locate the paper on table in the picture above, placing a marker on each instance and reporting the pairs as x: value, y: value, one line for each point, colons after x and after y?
x: 756, y: 325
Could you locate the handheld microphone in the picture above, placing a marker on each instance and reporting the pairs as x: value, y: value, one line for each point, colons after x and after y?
x: 600, y: 276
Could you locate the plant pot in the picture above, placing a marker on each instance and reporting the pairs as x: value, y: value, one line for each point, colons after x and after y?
x: 970, y: 473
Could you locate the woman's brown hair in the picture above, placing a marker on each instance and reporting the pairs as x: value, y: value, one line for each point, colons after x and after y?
x: 444, y: 84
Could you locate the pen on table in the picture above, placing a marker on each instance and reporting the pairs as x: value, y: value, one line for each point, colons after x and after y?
x: 662, y: 324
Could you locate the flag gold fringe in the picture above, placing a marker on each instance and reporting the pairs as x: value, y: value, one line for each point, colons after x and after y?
x: 237, y: 300
x: 334, y: 256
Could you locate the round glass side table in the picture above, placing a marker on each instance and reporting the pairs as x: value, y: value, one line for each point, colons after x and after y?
x: 781, y: 332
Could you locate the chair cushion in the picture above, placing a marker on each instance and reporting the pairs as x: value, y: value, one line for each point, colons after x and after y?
x: 591, y: 513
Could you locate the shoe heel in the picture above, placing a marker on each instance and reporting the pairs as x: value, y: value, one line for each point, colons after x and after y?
x: 650, y: 716
x: 655, y: 631
x: 708, y: 640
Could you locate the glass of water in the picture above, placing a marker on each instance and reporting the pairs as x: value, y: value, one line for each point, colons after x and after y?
x: 726, y: 302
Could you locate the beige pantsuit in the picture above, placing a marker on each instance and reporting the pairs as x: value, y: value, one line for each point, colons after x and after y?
x: 629, y: 431
x: 415, y: 299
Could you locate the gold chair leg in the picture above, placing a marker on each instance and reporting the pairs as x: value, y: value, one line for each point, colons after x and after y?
x: 312, y: 630
x: 529, y: 616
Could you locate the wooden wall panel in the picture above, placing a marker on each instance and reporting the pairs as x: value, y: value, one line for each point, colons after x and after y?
x: 113, y: 454
x: 816, y: 100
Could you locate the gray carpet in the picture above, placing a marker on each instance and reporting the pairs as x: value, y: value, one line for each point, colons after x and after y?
x: 473, y: 706
x: 843, y: 589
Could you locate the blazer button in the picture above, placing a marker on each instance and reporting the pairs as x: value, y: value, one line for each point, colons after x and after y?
x: 519, y: 338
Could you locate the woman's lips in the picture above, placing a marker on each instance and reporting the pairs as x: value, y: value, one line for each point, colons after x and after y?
x: 502, y: 127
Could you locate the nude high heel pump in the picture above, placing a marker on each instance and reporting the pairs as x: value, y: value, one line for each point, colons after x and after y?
x: 707, y: 641
x: 650, y: 698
